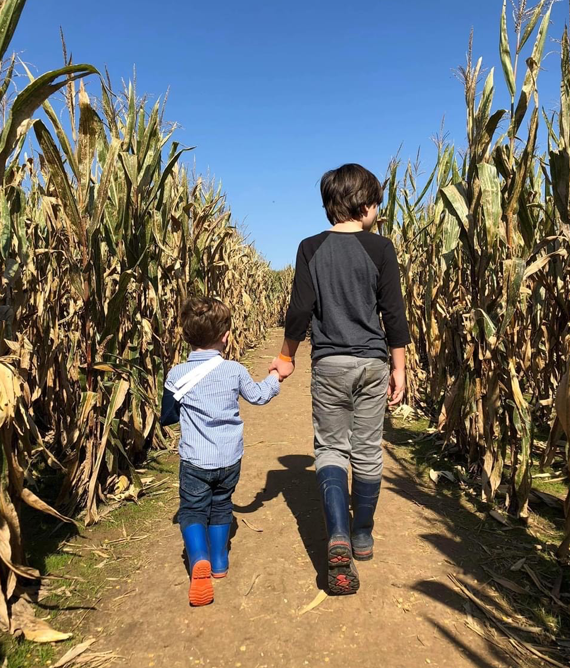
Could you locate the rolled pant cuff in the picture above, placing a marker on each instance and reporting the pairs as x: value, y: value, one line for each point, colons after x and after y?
x: 367, y: 478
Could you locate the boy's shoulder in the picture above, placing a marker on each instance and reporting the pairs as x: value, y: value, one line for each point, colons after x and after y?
x: 178, y: 370
x: 310, y: 244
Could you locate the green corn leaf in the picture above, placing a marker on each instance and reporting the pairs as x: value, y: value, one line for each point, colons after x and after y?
x: 506, y: 53
x: 7, y: 78
x: 165, y: 174
x: 63, y: 138
x: 59, y: 131
x: 490, y: 201
x: 531, y: 25
x: 565, y: 91
x: 118, y: 396
x: 109, y: 111
x: 427, y: 186
x: 5, y: 226
x: 489, y: 326
x: 524, y: 166
x: 514, y: 270
x: 10, y: 12
x: 131, y: 119
x: 533, y: 68
x: 109, y: 171
x: 116, y: 303
x: 129, y: 162
x: 32, y: 97
x: 560, y: 172
x: 486, y: 102
x: 150, y: 135
x: 57, y: 173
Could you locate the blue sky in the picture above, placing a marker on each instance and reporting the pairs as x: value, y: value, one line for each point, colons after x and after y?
x: 275, y: 93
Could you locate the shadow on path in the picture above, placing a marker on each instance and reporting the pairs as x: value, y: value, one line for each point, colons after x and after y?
x: 297, y: 482
x: 474, y: 546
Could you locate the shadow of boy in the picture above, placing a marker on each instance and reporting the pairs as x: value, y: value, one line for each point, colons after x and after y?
x: 298, y: 485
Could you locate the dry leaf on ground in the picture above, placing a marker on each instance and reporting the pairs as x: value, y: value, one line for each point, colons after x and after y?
x: 34, y: 629
x: 73, y: 653
x: 496, y: 515
x: 319, y: 598
x: 251, y: 526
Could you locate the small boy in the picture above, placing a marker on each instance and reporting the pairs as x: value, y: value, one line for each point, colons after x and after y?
x: 202, y: 394
x: 344, y: 279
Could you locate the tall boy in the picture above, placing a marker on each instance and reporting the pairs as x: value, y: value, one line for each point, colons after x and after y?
x: 202, y: 393
x: 344, y: 279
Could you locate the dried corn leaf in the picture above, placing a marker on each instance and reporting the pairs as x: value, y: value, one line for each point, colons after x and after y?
x: 73, y: 653
x: 319, y: 598
x: 251, y: 526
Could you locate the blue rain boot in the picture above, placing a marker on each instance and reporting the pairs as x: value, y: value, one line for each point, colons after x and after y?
x: 342, y: 573
x: 219, y: 535
x: 196, y: 541
x: 364, y: 500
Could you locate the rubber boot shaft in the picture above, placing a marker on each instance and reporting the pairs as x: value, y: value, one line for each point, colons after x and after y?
x: 219, y: 535
x: 195, y: 538
x: 364, y: 501
x: 333, y: 487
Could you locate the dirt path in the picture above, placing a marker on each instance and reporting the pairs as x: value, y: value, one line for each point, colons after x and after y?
x: 406, y: 614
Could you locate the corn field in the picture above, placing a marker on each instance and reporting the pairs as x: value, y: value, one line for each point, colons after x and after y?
x: 484, y: 248
x: 103, y: 233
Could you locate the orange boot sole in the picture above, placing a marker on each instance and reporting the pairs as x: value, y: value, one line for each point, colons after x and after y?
x: 201, y: 589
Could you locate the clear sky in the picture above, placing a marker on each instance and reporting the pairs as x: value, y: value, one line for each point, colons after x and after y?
x: 275, y: 93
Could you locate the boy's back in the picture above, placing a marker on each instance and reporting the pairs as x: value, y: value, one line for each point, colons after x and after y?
x: 343, y: 281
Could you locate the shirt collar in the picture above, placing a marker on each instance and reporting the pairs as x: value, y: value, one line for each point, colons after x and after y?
x: 202, y: 355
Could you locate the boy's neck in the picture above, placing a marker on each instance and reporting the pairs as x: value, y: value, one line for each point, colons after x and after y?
x: 348, y: 226
x: 216, y: 347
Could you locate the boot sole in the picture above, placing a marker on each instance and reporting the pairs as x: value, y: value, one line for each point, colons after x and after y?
x: 219, y: 576
x: 201, y: 590
x: 363, y: 555
x: 342, y: 576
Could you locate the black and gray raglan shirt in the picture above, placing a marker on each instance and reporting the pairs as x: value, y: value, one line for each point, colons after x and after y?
x: 344, y: 281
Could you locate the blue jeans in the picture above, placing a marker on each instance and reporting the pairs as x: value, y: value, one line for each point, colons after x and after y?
x: 206, y: 494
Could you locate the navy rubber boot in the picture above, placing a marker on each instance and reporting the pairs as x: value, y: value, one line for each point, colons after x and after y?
x: 196, y: 541
x: 364, y: 500
x: 342, y: 573
x: 219, y: 535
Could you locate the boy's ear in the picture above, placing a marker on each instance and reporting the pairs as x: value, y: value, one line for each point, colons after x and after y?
x: 226, y: 337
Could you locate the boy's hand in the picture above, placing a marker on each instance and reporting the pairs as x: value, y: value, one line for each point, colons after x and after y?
x: 284, y: 369
x: 275, y: 373
x: 396, y: 386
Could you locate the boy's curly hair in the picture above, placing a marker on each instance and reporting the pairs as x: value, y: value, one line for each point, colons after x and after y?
x: 204, y: 321
x: 346, y: 190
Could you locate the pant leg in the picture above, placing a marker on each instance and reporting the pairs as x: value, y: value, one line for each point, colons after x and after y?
x: 369, y: 397
x: 224, y: 487
x: 331, y: 385
x: 195, y: 495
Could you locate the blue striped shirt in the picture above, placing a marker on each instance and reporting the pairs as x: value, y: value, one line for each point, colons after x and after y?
x: 211, y: 430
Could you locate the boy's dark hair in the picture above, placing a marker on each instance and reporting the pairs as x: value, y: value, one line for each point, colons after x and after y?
x: 204, y: 321
x: 346, y: 190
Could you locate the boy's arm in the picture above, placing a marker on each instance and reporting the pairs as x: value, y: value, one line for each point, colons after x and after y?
x: 298, y: 314
x: 391, y: 305
x: 258, y: 393
x: 397, y: 384
x: 170, y: 412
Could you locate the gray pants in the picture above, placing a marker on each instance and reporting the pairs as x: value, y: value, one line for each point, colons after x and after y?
x: 349, y: 402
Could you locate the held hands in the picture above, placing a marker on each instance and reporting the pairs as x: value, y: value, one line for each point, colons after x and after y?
x: 396, y: 386
x: 282, y: 369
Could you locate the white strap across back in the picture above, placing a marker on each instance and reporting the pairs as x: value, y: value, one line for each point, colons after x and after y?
x: 187, y: 382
